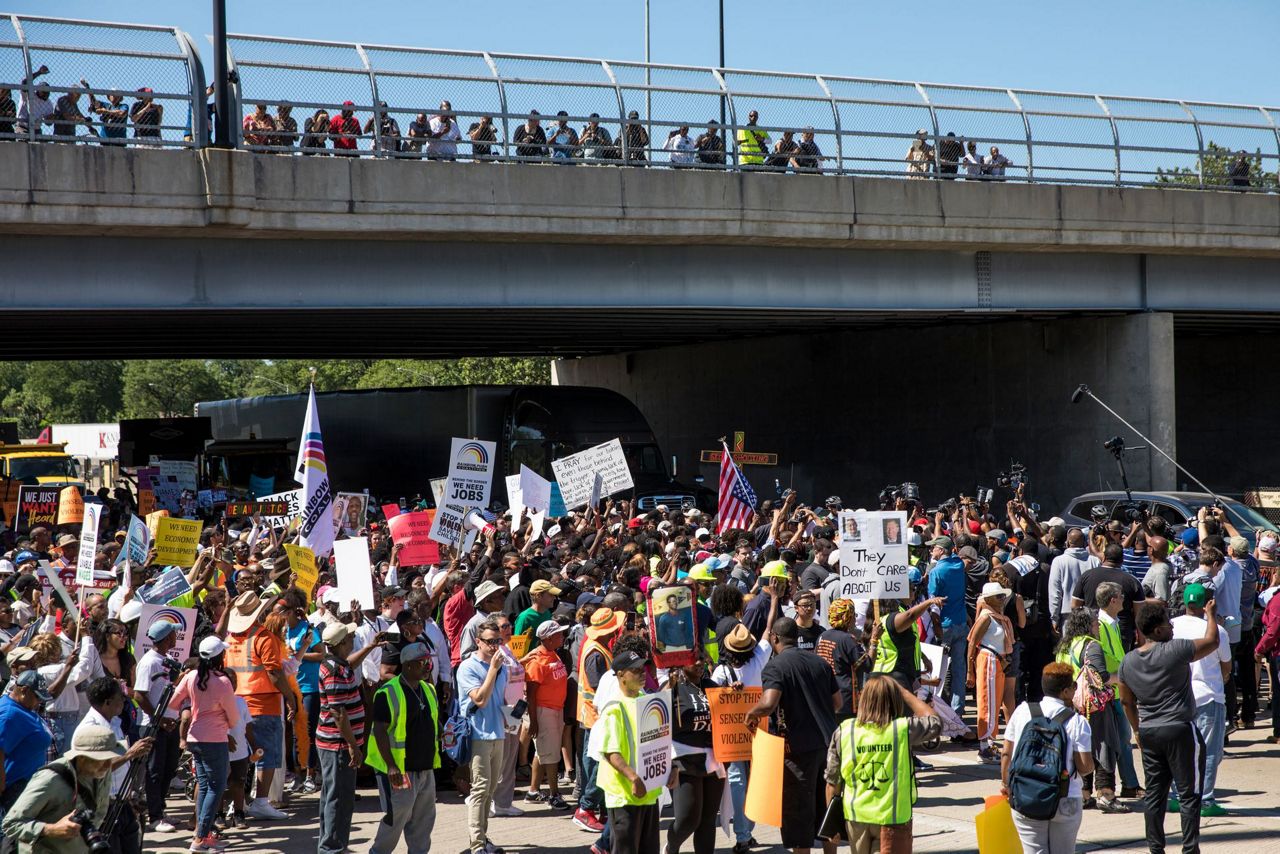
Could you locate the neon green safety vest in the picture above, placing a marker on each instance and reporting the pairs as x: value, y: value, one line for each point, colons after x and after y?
x: 879, y: 784
x: 396, y: 733
x: 753, y: 144
x: 1074, y: 654
x: 887, y: 650
x: 1112, y: 646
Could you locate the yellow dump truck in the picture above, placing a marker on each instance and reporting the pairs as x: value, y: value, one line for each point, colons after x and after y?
x: 32, y: 465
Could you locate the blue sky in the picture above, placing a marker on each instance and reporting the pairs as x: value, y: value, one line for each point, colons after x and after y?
x: 1174, y: 49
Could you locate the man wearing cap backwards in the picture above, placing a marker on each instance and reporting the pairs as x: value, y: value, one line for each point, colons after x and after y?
x: 1208, y: 678
x: 153, y: 675
x: 24, y: 740
x: 482, y: 684
x: 40, y: 820
x: 546, y: 686
x: 544, y: 599
x: 106, y: 703
x: 1155, y: 690
x: 405, y: 751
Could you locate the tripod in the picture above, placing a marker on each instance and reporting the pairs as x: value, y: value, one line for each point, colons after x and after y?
x: 138, y: 769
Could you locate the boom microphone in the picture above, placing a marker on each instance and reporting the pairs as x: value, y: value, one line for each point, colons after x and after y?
x: 1079, y: 393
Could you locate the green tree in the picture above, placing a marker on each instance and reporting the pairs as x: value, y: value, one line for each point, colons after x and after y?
x: 1216, y: 166
x: 499, y: 370
x: 168, y: 388
x: 42, y: 393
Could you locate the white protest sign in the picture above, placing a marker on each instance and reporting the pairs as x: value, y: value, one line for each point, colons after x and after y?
x: 437, y: 489
x: 936, y: 656
x: 183, y: 618
x: 54, y: 583
x: 576, y: 473
x: 536, y: 521
x: 293, y: 498
x: 447, y: 526
x: 535, y: 490
x: 514, y: 497
x: 873, y: 555
x: 355, y: 575
x: 470, y: 472
x: 597, y: 488
x: 88, y: 544
x: 651, y: 734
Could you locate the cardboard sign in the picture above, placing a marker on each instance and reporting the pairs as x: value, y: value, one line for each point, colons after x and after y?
x: 470, y: 473
x: 37, y: 505
x: 448, y: 525
x: 177, y: 541
x: 673, y: 628
x: 520, y: 645
x: 535, y: 490
x: 650, y: 722
x: 730, y: 736
x: 303, y: 563
x: 349, y: 512
x: 576, y: 473
x: 88, y: 543
x: 70, y: 506
x: 183, y: 618
x: 355, y: 575
x: 292, y: 499
x: 171, y: 584
x: 764, y: 804
x: 873, y: 555
x: 414, y: 530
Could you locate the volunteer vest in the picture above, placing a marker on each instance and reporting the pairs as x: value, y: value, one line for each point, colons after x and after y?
x: 586, y: 695
x: 751, y: 145
x: 397, y: 731
x: 712, y: 646
x: 251, y: 677
x: 879, y: 784
x: 1112, y: 646
x: 1074, y: 654
x: 887, y: 650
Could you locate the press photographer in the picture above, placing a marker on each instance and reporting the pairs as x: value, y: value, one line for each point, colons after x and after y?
x: 56, y: 811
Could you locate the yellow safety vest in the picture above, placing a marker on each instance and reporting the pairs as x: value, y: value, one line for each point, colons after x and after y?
x: 1074, y: 654
x: 397, y: 731
x: 875, y: 763
x: 753, y: 144
x: 887, y: 650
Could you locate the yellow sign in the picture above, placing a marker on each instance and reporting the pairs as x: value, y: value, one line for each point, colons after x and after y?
x: 302, y: 560
x: 520, y: 645
x: 153, y: 521
x: 176, y: 541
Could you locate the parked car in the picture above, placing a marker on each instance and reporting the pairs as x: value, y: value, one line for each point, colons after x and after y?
x: 1174, y: 507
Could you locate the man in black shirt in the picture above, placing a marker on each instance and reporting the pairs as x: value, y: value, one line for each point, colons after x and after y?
x: 406, y: 708
x: 1110, y: 570
x: 813, y: 575
x: 801, y: 692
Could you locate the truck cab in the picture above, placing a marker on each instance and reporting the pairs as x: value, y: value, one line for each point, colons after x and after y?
x: 31, y: 465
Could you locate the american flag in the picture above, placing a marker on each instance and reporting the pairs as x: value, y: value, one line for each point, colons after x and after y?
x: 737, y: 500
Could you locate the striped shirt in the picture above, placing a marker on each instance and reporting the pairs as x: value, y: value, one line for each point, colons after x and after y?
x: 339, y: 688
x: 1136, y: 563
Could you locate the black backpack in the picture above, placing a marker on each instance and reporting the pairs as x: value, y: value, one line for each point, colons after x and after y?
x: 1038, y: 777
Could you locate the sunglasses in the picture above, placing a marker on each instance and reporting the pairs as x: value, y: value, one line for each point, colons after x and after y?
x: 490, y: 641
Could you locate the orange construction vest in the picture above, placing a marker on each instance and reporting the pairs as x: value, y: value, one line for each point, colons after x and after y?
x: 587, y: 714
x: 251, y: 677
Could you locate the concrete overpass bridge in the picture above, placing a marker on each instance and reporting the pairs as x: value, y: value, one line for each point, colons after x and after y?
x: 868, y: 329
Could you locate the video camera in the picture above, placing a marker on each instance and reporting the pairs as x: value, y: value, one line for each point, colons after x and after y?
x: 1015, y: 478
x: 910, y: 491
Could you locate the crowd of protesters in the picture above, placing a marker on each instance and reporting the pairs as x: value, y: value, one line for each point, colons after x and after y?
x: 495, y: 673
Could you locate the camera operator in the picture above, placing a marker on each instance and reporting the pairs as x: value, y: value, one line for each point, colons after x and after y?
x: 106, y: 702
x: 54, y: 813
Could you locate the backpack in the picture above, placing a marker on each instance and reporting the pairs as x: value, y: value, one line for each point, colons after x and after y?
x: 455, y: 737
x: 1038, y: 777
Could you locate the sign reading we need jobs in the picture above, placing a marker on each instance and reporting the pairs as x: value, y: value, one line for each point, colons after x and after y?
x: 576, y: 473
x: 873, y: 555
x: 470, y: 477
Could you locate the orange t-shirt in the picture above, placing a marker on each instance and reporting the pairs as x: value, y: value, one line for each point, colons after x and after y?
x: 547, y: 670
x: 265, y: 697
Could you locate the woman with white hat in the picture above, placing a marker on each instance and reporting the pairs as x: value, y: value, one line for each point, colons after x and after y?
x: 213, y: 714
x: 990, y: 645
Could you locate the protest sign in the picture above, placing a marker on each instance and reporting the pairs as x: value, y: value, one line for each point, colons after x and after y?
x: 390, y: 511
x: 673, y: 627
x: 730, y: 736
x: 176, y: 541
x: 470, y: 473
x: 520, y: 645
x: 764, y: 803
x: 447, y: 526
x: 37, y: 505
x: 650, y: 723
x: 597, y: 490
x: 515, y: 499
x: 146, y: 490
x: 51, y: 582
x: 557, y: 510
x: 292, y: 499
x: 70, y: 506
x: 183, y: 618
x: 171, y: 584
x: 936, y: 656
x: 137, y: 542
x: 259, y: 486
x: 355, y: 575
x: 535, y: 490
x: 88, y: 544
x: 873, y: 555
x: 576, y: 473
x: 153, y: 521
x: 414, y: 531
x: 303, y: 563
x: 437, y: 489
x: 536, y: 521
x: 349, y: 512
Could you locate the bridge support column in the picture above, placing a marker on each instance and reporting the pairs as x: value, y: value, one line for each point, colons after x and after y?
x: 947, y: 407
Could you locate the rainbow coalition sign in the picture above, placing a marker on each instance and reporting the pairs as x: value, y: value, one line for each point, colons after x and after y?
x: 470, y: 477
x: 649, y: 717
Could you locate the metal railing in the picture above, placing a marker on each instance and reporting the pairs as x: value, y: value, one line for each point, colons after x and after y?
x: 405, y: 102
x: 74, y: 81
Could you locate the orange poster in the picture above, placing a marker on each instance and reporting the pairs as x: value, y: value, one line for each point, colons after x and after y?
x: 730, y: 736
x: 520, y: 645
x: 764, y: 805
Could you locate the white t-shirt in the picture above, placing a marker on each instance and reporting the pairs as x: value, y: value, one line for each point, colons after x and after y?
x: 241, y: 750
x: 1206, y: 674
x: 607, y: 691
x: 751, y: 674
x: 445, y: 145
x: 151, y: 678
x: 1079, y: 736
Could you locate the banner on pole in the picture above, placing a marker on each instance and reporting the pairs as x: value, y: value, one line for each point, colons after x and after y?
x: 88, y: 544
